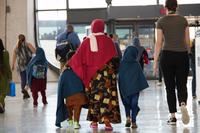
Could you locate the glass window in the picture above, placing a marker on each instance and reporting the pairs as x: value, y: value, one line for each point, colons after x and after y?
x: 133, y: 2
x: 51, y: 4
x: 125, y: 35
x: 87, y: 4
x: 81, y: 30
x: 50, y: 24
x: 147, y: 36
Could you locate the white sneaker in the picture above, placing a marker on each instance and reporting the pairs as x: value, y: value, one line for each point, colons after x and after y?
x: 159, y: 84
x: 185, y: 117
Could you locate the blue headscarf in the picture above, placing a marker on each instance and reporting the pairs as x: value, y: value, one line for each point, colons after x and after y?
x: 131, y: 77
x: 136, y: 43
x: 39, y: 58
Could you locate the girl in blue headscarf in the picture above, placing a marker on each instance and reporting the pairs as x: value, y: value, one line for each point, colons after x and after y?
x: 37, y: 76
x: 131, y: 82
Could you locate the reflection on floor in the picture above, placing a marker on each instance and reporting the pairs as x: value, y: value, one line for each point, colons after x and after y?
x: 21, y: 117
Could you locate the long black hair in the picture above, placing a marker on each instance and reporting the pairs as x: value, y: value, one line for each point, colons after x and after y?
x: 1, y: 54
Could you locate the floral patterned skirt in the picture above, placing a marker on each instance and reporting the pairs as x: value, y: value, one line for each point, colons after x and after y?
x: 103, y: 96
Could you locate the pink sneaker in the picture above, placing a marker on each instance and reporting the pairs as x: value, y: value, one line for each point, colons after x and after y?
x: 94, y: 125
x: 108, y: 128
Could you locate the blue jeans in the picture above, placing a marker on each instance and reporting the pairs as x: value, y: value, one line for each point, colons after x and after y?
x: 23, y: 79
x: 23, y: 84
x: 132, y: 108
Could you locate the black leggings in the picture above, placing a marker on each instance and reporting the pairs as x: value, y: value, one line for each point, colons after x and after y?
x: 175, y: 68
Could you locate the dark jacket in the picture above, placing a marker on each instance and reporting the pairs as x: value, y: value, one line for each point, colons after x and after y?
x: 131, y: 77
x: 5, y: 74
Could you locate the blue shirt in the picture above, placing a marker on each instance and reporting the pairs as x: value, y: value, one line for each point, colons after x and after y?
x: 71, y: 37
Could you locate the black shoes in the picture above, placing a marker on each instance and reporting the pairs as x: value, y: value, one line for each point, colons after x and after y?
x: 194, y: 97
x: 172, y: 121
x: 45, y: 102
x: 2, y: 110
x: 134, y: 125
x: 26, y: 96
x: 128, y: 123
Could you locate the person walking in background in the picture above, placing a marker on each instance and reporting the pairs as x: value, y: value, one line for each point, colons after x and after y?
x: 131, y: 82
x: 142, y: 53
x: 114, y: 37
x: 5, y: 76
x: 37, y: 76
x: 71, y: 90
x: 22, y: 53
x: 96, y: 63
x: 192, y: 59
x: 174, y: 61
x: 68, y: 36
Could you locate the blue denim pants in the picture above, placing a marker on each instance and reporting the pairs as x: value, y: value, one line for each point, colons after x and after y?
x: 132, y: 108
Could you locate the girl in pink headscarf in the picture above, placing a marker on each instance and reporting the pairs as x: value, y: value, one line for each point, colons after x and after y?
x: 96, y: 63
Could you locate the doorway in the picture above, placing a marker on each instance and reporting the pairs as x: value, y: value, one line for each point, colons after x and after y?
x: 145, y: 30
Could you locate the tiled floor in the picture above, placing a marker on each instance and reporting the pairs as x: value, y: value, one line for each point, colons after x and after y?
x: 21, y: 117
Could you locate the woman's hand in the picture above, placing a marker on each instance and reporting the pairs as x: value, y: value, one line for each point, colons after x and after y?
x: 155, y: 68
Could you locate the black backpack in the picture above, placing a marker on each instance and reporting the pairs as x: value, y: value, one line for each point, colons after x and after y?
x: 63, y: 48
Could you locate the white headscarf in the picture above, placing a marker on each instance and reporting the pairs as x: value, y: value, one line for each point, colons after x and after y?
x: 93, y: 41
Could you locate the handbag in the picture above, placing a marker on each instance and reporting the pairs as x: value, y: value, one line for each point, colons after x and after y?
x: 12, y: 89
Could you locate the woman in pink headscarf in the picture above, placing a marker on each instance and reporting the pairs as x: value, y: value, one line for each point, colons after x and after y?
x: 96, y: 63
